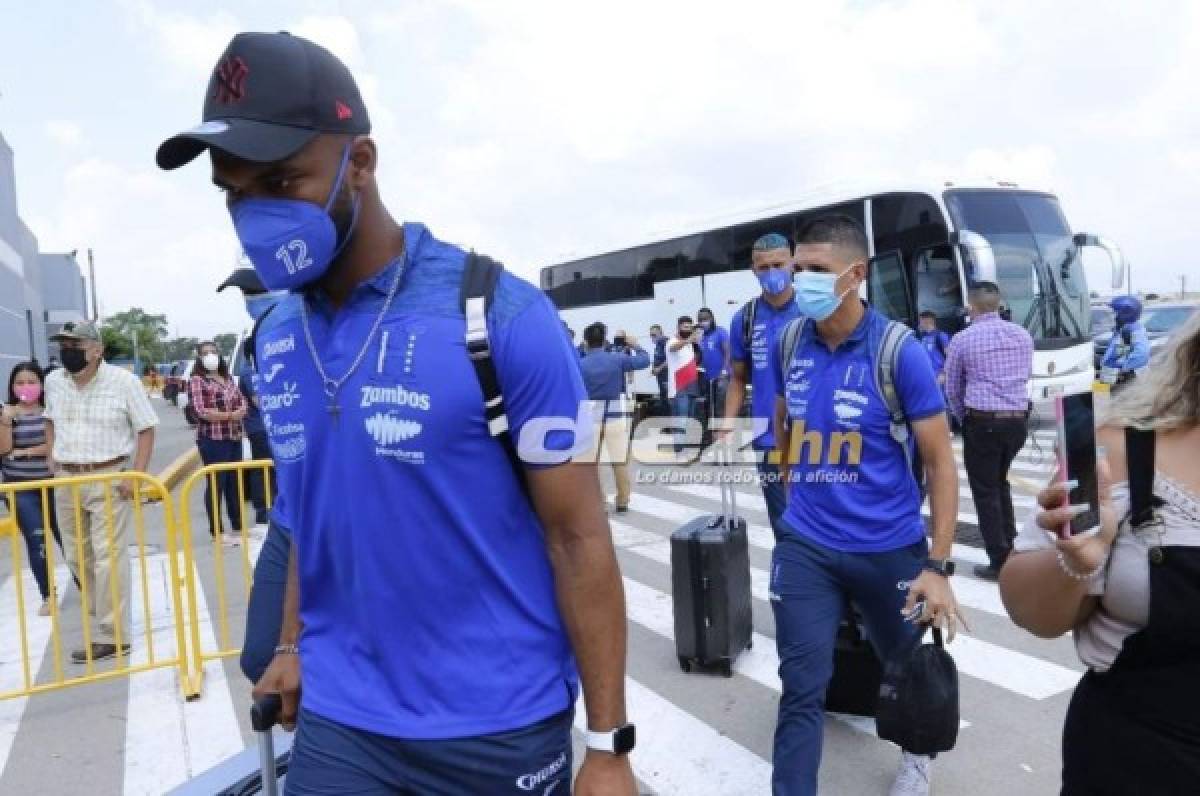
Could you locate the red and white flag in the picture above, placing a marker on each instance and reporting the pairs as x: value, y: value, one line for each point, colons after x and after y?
x: 684, y: 370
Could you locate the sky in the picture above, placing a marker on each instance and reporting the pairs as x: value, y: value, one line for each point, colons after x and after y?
x: 535, y: 131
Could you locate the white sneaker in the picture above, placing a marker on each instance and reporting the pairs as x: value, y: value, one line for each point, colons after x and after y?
x: 913, y: 777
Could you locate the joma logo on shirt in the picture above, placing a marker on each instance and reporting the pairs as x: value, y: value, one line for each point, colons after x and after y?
x: 395, y: 396
x: 284, y: 345
x: 844, y: 447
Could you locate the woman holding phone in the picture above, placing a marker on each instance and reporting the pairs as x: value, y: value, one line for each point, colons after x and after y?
x: 1129, y: 591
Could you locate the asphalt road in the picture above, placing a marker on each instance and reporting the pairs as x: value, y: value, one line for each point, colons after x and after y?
x: 699, y: 733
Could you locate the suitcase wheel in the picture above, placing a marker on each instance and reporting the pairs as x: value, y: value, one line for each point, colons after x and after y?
x: 727, y: 668
x: 685, y: 664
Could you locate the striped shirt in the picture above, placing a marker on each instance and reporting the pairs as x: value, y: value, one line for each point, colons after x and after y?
x: 29, y: 431
x: 100, y: 421
x: 988, y: 366
x: 212, y: 395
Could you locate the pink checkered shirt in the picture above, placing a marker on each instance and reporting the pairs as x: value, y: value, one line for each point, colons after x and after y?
x: 208, y: 395
x: 988, y: 366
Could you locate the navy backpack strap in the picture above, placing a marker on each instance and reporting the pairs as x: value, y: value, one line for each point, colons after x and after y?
x: 748, y: 324
x: 480, y: 276
x: 249, y: 345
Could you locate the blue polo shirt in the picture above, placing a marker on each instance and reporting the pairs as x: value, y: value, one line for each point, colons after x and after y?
x: 426, y: 591
x: 712, y: 349
x: 767, y: 323
x: 935, y: 343
x: 852, y: 489
x: 604, y: 372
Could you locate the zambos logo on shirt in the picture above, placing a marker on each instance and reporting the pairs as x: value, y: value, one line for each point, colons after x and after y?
x: 395, y: 396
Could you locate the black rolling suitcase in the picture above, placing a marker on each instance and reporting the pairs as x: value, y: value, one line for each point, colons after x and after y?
x: 710, y: 587
x: 254, y: 771
x: 857, y: 671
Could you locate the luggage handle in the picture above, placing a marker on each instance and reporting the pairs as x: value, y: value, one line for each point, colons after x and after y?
x: 728, y: 492
x: 264, y: 714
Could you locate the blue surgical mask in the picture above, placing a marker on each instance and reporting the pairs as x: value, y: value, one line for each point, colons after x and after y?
x: 815, y: 296
x: 257, y: 305
x: 291, y: 242
x: 775, y: 280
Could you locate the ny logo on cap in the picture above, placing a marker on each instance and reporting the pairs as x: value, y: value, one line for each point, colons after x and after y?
x: 231, y: 80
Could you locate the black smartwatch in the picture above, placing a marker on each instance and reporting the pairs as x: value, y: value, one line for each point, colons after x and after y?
x: 942, y: 566
x: 617, y: 742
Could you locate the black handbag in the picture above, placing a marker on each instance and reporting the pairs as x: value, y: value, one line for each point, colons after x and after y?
x: 918, y: 699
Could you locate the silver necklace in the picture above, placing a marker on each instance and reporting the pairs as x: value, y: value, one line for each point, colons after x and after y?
x: 332, y: 386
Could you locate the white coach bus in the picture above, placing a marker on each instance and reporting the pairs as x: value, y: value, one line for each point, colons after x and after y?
x: 927, y: 245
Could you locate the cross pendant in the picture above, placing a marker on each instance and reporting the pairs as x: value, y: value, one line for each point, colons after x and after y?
x: 334, y: 411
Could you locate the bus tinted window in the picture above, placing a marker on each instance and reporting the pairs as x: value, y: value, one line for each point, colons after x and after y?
x: 906, y: 222
x: 887, y: 287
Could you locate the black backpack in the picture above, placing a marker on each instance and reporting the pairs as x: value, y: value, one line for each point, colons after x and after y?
x: 475, y: 296
x: 748, y: 323
x: 918, y: 699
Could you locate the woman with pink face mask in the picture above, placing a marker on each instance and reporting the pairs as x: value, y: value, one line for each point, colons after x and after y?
x: 24, y: 456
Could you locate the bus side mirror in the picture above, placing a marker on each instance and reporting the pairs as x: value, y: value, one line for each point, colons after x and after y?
x: 982, y: 258
x: 1115, y: 256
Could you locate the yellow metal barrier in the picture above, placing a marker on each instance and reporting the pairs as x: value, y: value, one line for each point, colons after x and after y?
x: 95, y: 515
x: 226, y: 644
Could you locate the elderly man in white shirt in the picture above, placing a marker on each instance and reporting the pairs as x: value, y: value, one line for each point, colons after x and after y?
x: 98, y: 416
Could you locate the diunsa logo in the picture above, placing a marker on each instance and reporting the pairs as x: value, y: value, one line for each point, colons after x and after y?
x: 284, y: 345
x: 531, y: 781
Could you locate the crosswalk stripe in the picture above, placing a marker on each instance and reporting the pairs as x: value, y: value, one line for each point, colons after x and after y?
x: 682, y: 754
x: 1014, y: 671
x: 38, y: 630
x: 970, y: 592
x: 652, y: 609
x: 211, y: 726
x: 971, y: 555
x: 167, y: 740
x: 155, y: 746
x: 764, y: 539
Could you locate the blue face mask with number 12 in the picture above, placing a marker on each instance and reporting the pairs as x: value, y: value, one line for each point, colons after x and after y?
x: 290, y: 242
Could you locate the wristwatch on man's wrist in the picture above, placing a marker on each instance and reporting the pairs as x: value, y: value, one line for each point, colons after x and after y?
x: 942, y: 566
x: 616, y: 742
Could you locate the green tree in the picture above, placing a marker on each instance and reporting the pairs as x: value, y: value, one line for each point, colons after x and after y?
x: 116, y: 345
x: 136, y: 329
x: 226, y: 343
x: 180, y: 348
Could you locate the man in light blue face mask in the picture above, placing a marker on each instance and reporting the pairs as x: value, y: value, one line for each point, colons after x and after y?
x: 751, y: 340
x: 853, y: 528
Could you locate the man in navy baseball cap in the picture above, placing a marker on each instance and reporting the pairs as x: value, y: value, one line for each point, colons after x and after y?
x: 269, y: 95
x: 444, y: 602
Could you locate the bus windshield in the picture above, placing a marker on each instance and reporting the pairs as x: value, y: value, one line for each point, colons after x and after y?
x: 1038, y: 265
